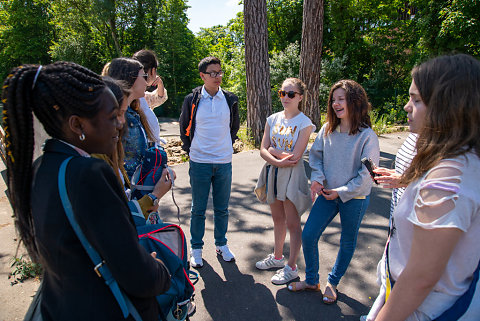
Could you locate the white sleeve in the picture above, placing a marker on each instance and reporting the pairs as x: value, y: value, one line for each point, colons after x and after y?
x: 447, y: 178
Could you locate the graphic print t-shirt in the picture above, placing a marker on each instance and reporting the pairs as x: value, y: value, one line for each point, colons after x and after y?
x: 284, y: 132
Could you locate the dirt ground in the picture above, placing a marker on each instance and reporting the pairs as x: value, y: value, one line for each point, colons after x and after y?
x: 14, y: 300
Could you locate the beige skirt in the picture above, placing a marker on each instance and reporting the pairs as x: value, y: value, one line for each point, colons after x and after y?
x: 284, y: 183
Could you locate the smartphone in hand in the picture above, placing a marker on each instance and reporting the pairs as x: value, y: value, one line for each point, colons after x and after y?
x: 370, y: 165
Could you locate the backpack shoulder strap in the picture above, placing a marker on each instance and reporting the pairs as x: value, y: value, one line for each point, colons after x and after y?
x: 462, y: 304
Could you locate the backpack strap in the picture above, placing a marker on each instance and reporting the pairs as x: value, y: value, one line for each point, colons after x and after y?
x: 170, y: 176
x: 460, y: 306
x: 194, y: 98
x: 100, y: 267
x: 458, y: 309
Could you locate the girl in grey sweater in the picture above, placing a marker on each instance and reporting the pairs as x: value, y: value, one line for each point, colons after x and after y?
x: 341, y: 182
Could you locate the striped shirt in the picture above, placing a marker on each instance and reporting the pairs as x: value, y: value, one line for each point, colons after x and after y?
x: 402, y: 161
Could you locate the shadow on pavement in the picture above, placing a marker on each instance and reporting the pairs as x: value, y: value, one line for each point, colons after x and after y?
x: 237, y: 297
x: 304, y: 305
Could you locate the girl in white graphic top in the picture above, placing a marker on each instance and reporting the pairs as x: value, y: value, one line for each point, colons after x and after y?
x: 283, y: 183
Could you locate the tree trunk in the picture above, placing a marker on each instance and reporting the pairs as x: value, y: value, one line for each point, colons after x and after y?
x: 257, y: 67
x: 113, y: 29
x: 311, y: 56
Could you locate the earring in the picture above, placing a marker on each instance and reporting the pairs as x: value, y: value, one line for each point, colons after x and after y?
x: 82, y: 137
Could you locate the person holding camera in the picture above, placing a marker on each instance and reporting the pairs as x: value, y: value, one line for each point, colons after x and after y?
x: 340, y: 180
x: 153, y: 98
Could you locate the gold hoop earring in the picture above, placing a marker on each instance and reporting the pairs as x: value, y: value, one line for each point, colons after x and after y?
x: 82, y: 137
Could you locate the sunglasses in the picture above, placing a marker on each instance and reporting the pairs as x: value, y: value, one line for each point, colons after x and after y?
x: 290, y: 94
x: 145, y: 76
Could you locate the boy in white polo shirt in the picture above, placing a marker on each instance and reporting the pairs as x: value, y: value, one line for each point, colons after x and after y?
x: 209, y: 123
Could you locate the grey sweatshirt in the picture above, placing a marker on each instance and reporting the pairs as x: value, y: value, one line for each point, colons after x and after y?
x: 336, y: 161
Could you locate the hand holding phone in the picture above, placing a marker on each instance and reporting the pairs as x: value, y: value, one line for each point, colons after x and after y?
x: 370, y: 166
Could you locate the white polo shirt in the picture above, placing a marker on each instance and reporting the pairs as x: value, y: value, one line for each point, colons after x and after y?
x: 212, y: 142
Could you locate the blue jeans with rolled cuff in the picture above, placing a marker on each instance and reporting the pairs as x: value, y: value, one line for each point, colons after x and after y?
x: 322, y: 213
x: 202, y: 176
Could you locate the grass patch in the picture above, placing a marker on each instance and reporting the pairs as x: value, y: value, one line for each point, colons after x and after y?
x: 381, y: 124
x: 245, y: 135
x: 24, y: 269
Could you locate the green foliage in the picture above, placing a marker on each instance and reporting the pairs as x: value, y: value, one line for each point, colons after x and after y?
x: 178, y: 53
x: 236, y: 80
x: 333, y: 70
x: 448, y: 26
x: 284, y: 18
x: 184, y: 158
x: 284, y: 64
x: 379, y: 123
x: 374, y: 42
x: 92, y: 32
x: 84, y: 32
x: 246, y: 136
x: 393, y: 110
x: 25, y: 33
x: 24, y: 269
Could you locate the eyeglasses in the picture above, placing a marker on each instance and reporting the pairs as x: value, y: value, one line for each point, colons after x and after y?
x: 215, y: 74
x: 290, y: 94
x: 145, y: 76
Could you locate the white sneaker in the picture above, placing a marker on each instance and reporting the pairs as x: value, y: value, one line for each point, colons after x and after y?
x: 225, y: 252
x: 270, y: 262
x: 196, y: 258
x: 284, y: 275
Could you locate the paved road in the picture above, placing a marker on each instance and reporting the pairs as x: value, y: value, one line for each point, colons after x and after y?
x: 238, y: 291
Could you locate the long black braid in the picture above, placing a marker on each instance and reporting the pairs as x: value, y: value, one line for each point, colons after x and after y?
x: 60, y: 90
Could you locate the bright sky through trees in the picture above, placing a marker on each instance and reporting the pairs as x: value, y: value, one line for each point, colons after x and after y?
x: 209, y: 13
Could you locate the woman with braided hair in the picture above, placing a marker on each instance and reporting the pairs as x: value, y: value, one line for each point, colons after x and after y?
x: 81, y: 115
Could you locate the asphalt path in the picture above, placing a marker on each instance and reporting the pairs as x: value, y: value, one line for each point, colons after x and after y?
x: 237, y: 290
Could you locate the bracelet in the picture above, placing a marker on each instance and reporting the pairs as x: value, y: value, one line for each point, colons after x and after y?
x: 154, y: 198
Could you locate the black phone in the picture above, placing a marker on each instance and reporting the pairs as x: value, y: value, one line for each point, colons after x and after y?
x: 370, y: 166
x: 151, y: 88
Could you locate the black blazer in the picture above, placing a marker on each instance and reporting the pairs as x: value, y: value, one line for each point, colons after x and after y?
x: 72, y: 290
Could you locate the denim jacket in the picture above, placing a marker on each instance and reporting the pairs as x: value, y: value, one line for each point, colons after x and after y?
x: 134, y: 142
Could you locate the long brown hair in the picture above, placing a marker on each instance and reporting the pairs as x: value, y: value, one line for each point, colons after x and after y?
x: 450, y: 88
x: 358, y: 107
x: 120, y: 90
x: 126, y: 69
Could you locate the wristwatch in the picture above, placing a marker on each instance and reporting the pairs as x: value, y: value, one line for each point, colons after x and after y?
x: 154, y: 198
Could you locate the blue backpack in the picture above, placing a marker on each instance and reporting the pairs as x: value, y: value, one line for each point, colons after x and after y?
x: 148, y: 173
x: 169, y: 242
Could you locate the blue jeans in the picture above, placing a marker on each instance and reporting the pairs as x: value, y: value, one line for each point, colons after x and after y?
x: 322, y: 213
x: 219, y: 176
